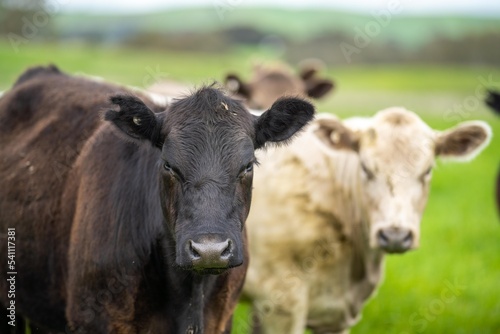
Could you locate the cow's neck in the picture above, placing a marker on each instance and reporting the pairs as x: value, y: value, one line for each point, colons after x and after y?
x: 189, y: 290
x: 348, y: 213
x: 191, y: 316
x: 366, y: 263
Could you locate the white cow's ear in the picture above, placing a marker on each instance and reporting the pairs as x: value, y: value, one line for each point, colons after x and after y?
x: 463, y: 142
x: 335, y: 135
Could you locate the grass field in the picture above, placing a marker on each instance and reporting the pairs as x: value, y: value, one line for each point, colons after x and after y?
x: 460, y: 241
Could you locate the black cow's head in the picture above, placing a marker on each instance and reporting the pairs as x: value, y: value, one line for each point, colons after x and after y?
x: 207, y: 144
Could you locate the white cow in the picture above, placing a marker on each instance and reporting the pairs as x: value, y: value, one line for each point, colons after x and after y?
x: 328, y: 207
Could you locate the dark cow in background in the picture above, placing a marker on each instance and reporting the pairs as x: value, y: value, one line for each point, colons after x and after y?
x: 273, y: 81
x: 493, y: 101
x: 129, y: 225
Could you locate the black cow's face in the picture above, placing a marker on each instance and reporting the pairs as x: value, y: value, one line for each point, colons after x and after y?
x: 207, y: 143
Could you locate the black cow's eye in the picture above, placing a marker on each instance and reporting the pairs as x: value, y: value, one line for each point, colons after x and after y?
x: 174, y: 172
x: 246, y: 170
x: 167, y: 167
x: 249, y: 168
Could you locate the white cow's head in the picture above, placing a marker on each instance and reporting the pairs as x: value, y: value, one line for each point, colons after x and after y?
x: 396, y: 151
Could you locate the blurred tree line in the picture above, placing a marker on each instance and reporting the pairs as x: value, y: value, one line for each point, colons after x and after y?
x: 15, y: 13
x: 477, y: 48
x: 22, y: 21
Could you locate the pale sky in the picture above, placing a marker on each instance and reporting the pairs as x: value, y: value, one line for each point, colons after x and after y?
x: 410, y: 7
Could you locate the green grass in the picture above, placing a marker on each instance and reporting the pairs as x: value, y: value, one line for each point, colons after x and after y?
x: 460, y: 229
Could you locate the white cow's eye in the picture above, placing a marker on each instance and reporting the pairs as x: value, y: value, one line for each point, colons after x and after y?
x: 427, y: 173
x: 369, y: 174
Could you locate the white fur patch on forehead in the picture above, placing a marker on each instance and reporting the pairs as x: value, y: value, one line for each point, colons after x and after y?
x: 397, y: 116
x: 390, y: 116
x: 400, y: 122
x: 395, y: 139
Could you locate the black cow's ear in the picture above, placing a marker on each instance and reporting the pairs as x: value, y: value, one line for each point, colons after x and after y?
x: 236, y: 86
x: 285, y: 117
x: 135, y: 119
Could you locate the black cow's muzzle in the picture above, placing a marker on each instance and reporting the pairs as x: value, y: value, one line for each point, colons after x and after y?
x: 209, y: 253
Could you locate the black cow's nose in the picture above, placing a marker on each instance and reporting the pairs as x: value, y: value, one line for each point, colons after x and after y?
x: 209, y: 254
x: 395, y: 240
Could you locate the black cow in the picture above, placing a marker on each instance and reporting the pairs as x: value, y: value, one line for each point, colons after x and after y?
x: 493, y: 101
x: 129, y: 225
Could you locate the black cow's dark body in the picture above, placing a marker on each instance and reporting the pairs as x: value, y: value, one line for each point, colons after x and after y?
x: 130, y: 231
x: 493, y: 101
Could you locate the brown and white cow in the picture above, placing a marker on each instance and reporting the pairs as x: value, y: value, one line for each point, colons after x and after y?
x: 276, y: 80
x: 267, y: 84
x: 328, y: 208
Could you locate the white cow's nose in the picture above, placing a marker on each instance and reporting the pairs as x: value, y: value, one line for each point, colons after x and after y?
x: 394, y: 239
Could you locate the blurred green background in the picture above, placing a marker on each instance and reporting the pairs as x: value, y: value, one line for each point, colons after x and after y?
x: 437, y: 66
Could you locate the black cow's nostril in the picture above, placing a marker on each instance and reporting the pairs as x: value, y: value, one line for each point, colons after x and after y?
x: 194, y: 253
x: 228, y: 250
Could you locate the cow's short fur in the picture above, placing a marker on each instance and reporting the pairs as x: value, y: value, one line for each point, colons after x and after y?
x: 319, y: 206
x: 108, y: 213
